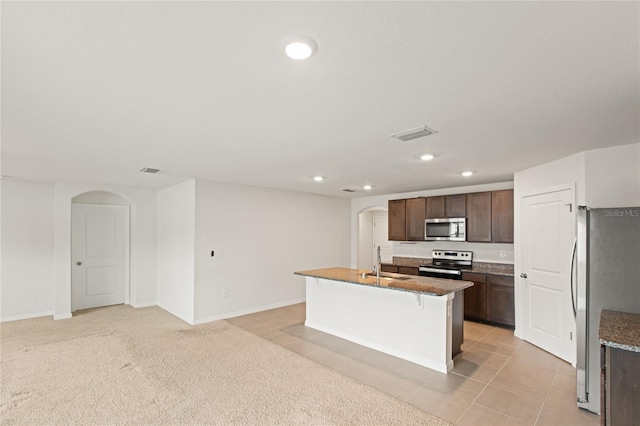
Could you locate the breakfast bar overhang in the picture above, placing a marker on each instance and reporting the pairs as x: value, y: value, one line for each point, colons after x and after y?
x: 418, y: 319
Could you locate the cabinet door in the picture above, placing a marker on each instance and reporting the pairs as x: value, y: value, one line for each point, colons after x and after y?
x: 435, y: 207
x: 475, y: 298
x: 397, y: 228
x: 622, y: 393
x: 479, y: 217
x: 455, y: 205
x: 502, y: 216
x: 389, y: 268
x: 415, y: 219
x: 408, y: 270
x: 500, y: 304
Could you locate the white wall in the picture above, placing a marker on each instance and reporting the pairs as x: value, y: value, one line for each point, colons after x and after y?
x: 143, y: 243
x: 176, y: 245
x: 607, y: 177
x: 26, y: 282
x: 260, y: 238
x: 483, y: 252
x: 613, y: 176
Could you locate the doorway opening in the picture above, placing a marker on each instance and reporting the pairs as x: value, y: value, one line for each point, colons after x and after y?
x: 373, y: 232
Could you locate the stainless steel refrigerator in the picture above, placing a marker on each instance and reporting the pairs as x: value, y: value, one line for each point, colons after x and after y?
x: 607, y: 277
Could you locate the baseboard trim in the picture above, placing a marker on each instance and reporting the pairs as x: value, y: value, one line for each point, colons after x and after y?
x: 63, y: 316
x: 249, y: 311
x: 26, y: 316
x: 143, y: 305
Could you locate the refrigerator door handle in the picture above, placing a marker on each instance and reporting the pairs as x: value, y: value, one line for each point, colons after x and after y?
x: 573, y: 264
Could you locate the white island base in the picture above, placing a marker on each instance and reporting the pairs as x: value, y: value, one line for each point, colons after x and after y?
x: 413, y: 326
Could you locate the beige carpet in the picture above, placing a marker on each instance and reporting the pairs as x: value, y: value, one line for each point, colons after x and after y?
x: 120, y: 365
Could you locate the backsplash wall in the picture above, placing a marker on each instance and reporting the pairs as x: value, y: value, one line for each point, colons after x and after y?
x: 482, y: 252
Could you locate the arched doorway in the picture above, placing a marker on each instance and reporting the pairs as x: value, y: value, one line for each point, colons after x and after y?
x: 100, y: 250
x: 373, y: 232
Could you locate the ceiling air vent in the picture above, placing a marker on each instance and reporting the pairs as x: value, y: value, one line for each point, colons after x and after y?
x: 418, y: 132
x: 349, y: 190
x: 149, y: 170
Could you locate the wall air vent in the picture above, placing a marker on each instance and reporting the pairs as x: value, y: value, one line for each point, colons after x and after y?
x: 349, y: 190
x: 149, y: 170
x: 418, y: 132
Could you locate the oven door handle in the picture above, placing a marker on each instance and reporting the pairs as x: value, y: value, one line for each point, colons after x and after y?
x: 440, y: 271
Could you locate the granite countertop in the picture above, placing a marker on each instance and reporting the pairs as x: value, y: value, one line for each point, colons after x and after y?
x: 620, y: 330
x: 478, y: 267
x: 415, y: 284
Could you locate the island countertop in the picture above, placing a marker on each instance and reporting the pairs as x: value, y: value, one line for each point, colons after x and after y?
x: 424, y: 285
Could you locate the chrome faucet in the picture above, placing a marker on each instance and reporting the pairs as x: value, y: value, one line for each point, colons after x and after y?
x: 377, y: 265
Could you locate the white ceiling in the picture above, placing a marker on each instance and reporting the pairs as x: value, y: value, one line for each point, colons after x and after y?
x: 94, y: 91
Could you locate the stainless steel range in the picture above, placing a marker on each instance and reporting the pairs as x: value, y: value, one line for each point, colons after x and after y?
x: 447, y: 264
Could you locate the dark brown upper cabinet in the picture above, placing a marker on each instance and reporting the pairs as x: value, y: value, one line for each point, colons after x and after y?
x: 415, y: 212
x: 397, y: 220
x: 446, y: 206
x: 455, y: 205
x: 435, y: 207
x: 479, y: 217
x: 489, y: 215
x: 502, y: 216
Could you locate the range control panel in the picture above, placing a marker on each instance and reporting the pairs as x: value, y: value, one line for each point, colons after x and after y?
x: 452, y: 255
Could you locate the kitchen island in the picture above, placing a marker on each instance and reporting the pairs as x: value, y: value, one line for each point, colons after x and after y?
x: 419, y: 319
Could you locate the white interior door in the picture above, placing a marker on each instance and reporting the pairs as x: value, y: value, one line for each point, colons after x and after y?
x: 548, y: 234
x: 99, y: 255
x: 381, y: 238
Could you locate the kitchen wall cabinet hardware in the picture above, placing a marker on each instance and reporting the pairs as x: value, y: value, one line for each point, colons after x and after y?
x: 479, y: 217
x: 490, y: 299
x: 415, y: 211
x: 502, y: 216
x: 397, y: 220
x: 445, y: 206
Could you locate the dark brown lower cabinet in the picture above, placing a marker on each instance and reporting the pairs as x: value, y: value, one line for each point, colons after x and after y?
x: 408, y: 270
x: 395, y: 269
x: 490, y: 299
x: 475, y: 298
x: 621, y: 389
x: 389, y: 268
x: 500, y: 303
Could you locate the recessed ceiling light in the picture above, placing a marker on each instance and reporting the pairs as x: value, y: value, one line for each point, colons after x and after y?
x: 299, y: 47
x: 467, y: 174
x: 318, y: 178
x: 427, y: 157
x: 418, y: 132
x: 367, y: 187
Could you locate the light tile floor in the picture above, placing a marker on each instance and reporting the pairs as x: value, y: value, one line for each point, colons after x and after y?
x: 498, y: 380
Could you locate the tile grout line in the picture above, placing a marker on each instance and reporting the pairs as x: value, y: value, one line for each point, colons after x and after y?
x: 546, y: 397
x: 487, y: 385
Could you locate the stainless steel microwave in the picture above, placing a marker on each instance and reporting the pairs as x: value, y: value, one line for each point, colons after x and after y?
x: 446, y: 229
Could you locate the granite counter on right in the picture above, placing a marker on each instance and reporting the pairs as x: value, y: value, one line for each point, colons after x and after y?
x: 619, y: 335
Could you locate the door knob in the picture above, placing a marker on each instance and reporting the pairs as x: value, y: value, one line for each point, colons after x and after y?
x: 523, y: 275
x: 78, y: 263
